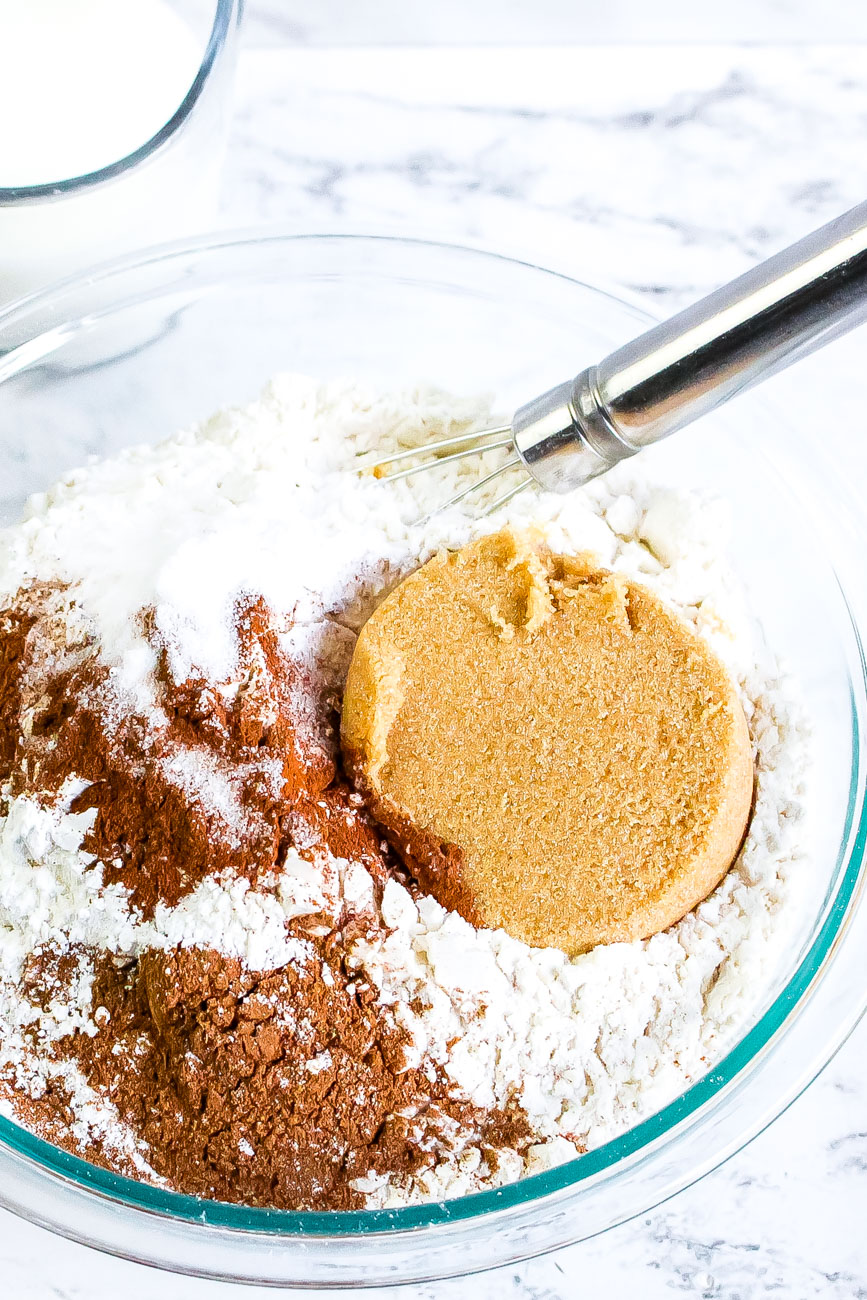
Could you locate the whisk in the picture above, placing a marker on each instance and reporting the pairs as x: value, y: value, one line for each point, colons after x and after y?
x: 780, y: 311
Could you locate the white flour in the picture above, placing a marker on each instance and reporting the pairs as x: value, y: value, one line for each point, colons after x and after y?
x: 263, y: 501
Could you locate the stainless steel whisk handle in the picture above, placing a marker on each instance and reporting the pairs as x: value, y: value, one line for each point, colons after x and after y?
x: 781, y: 310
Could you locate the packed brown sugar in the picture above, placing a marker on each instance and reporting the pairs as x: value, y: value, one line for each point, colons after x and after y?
x: 574, y: 754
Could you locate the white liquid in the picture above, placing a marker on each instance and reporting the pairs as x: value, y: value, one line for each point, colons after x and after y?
x: 84, y: 83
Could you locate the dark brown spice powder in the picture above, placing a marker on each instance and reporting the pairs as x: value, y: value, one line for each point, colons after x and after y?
x: 207, y: 1062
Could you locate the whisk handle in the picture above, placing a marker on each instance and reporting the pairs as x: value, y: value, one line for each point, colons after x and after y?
x: 780, y: 311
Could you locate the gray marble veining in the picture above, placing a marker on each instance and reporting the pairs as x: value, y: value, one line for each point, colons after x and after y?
x: 662, y: 172
x: 665, y: 169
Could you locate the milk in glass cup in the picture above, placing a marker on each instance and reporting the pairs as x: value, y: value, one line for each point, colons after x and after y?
x: 115, y: 116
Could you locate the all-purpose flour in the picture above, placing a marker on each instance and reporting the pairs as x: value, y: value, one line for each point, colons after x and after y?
x: 265, y: 501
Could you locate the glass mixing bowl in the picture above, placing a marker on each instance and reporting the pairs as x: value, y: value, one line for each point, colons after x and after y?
x: 137, y: 349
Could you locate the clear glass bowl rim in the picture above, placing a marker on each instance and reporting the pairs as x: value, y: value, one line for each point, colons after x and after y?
x: 285, y: 1224
x: 227, y: 17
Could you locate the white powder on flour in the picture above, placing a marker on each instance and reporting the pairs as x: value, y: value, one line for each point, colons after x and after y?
x: 264, y: 501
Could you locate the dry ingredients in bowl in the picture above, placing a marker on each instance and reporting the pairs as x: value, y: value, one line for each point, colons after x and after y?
x: 215, y: 974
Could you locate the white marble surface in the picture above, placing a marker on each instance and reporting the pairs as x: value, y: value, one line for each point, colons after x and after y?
x: 486, y: 22
x: 662, y: 171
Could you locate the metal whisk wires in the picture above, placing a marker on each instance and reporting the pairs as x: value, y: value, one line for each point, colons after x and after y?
x: 674, y: 373
x: 472, y: 443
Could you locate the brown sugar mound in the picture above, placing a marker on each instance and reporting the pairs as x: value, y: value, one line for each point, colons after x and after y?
x: 551, y: 749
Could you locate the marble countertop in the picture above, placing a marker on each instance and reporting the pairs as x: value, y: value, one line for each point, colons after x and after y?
x: 661, y: 171
x: 485, y: 22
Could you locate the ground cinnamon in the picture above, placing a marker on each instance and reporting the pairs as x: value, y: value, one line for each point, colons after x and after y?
x: 273, y: 1088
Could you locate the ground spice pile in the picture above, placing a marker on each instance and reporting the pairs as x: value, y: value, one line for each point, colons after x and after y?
x: 282, y: 1087
x: 223, y: 776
